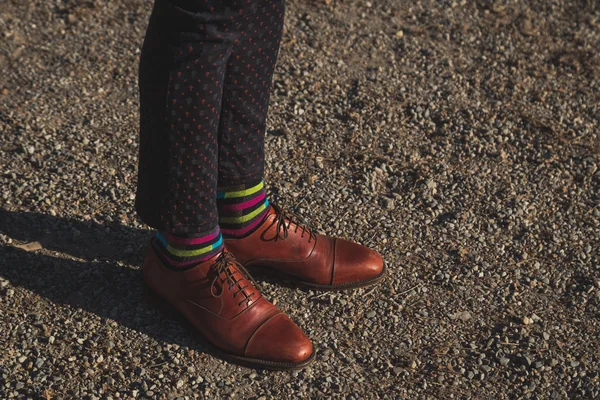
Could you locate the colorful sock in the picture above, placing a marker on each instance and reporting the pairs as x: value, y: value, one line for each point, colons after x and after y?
x: 241, y: 209
x: 186, y: 251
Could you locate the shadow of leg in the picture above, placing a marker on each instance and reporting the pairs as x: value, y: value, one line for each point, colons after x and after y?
x: 82, y: 239
x: 108, y: 289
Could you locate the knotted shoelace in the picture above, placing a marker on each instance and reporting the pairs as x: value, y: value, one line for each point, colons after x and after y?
x: 224, y: 265
x: 285, y: 220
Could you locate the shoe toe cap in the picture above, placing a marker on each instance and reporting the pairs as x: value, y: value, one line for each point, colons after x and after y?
x: 355, y: 263
x: 280, y: 340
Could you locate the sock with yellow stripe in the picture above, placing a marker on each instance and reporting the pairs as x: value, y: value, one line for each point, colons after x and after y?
x: 241, y: 209
x: 184, y: 252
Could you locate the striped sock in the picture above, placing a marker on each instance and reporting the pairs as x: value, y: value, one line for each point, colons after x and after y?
x: 187, y: 251
x: 241, y: 209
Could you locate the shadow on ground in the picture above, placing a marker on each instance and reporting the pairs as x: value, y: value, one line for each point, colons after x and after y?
x: 102, y: 282
x: 81, y: 239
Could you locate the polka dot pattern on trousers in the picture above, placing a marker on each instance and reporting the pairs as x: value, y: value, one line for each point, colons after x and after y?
x: 205, y: 74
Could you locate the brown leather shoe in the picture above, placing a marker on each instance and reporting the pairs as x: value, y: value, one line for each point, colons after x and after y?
x: 289, y: 249
x: 221, y: 300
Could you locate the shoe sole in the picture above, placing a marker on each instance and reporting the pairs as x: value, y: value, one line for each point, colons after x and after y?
x: 168, y: 309
x: 265, y: 270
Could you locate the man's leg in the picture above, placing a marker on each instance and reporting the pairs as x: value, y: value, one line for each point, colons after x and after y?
x: 241, y: 200
x: 182, y: 69
x: 260, y: 234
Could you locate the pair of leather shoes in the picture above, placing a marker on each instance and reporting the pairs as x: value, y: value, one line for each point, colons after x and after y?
x: 222, y: 301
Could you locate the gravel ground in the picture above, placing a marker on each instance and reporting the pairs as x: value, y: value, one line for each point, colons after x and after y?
x: 459, y: 138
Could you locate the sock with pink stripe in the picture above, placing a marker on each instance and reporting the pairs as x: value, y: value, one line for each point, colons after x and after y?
x: 184, y: 252
x: 241, y: 209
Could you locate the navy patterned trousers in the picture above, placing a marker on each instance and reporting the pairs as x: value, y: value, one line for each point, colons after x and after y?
x: 205, y: 75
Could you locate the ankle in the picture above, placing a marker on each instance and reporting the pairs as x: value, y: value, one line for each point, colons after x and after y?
x: 184, y: 251
x: 242, y: 209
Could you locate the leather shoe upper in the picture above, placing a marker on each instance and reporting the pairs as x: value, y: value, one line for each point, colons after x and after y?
x: 223, y: 303
x: 286, y: 246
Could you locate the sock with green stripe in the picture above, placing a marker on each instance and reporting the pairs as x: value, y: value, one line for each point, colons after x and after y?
x: 241, y: 209
x: 186, y: 251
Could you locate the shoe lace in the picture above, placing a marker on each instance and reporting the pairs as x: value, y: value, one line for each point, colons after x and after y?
x: 222, y: 266
x: 285, y: 219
